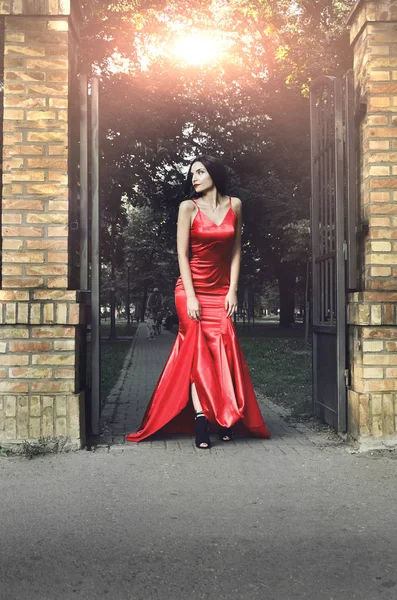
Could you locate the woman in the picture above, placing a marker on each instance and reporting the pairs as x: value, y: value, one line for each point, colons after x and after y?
x: 206, y: 363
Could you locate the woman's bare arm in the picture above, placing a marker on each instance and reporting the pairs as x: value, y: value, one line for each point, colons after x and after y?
x: 182, y: 241
x: 236, y: 249
x: 186, y: 211
x: 231, y: 297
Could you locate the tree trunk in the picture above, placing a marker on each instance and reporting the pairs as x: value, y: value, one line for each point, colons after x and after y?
x: 112, y: 307
x: 287, y: 283
x: 147, y: 284
x: 307, y: 303
x: 112, y: 289
x: 144, y: 302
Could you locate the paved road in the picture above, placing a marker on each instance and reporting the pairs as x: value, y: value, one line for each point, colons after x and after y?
x: 297, y: 517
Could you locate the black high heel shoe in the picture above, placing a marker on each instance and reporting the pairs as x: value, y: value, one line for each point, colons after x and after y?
x: 202, y: 436
x: 225, y: 434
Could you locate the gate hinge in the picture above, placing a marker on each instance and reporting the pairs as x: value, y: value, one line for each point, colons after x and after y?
x: 347, y: 378
x: 345, y: 249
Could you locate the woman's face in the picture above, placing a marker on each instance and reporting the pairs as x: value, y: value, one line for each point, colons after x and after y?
x: 201, y: 179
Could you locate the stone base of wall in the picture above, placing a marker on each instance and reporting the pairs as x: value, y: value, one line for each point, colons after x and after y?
x: 368, y: 443
x: 58, y: 418
x: 40, y: 394
x: 372, y: 399
x: 371, y: 420
x: 52, y: 446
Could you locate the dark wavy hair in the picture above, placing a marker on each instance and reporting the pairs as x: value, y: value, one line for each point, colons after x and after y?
x: 215, y: 168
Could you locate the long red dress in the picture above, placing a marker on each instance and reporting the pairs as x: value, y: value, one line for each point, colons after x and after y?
x: 205, y: 352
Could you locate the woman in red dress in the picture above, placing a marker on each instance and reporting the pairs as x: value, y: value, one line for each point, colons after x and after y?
x: 206, y: 363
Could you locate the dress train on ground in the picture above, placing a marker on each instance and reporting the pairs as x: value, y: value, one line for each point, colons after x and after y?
x: 222, y: 381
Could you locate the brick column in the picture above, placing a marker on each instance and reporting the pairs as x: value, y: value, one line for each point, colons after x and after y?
x: 372, y: 315
x: 39, y: 316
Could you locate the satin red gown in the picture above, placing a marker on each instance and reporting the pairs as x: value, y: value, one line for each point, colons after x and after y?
x: 206, y: 352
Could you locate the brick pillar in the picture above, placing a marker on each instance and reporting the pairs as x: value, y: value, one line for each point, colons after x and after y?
x: 372, y: 314
x: 39, y: 316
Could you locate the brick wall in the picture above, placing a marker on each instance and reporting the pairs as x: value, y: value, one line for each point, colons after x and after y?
x: 39, y: 317
x: 35, y: 154
x: 372, y: 315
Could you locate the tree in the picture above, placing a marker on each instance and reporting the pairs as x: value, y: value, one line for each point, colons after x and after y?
x: 151, y: 253
x: 251, y: 107
x: 113, y: 220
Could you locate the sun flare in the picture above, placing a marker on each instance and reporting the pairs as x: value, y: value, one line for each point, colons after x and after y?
x: 197, y: 49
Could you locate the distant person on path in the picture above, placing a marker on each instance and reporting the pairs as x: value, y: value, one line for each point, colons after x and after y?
x: 154, y: 305
x: 206, y: 363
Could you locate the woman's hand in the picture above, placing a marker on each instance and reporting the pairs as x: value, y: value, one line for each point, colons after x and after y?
x: 193, y: 308
x: 231, y: 303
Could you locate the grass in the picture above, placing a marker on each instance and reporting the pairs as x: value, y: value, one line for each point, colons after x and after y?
x: 269, y: 329
x: 113, y: 354
x: 280, y: 365
x: 122, y: 329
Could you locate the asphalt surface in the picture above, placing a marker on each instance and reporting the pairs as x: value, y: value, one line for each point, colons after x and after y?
x: 300, y: 516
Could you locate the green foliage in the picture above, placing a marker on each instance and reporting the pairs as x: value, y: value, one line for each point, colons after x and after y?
x: 265, y: 38
x: 270, y: 297
x: 297, y: 241
x: 150, y: 248
x: 250, y: 107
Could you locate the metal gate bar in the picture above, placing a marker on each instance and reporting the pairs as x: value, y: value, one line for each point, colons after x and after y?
x: 340, y: 257
x: 89, y: 251
x: 95, y: 263
x: 83, y: 225
x: 329, y: 292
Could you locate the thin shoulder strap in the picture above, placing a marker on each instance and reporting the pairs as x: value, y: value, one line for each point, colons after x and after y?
x: 230, y: 200
x: 195, y: 203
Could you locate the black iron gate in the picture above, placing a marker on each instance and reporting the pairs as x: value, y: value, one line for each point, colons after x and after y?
x: 87, y: 248
x: 334, y: 268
